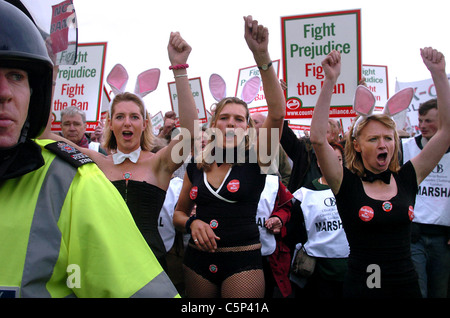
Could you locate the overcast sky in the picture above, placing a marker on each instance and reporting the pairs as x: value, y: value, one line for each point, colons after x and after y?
x: 137, y: 32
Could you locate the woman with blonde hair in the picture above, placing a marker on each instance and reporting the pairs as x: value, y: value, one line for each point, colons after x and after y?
x: 223, y: 257
x: 374, y: 195
x: 141, y: 176
x: 147, y: 136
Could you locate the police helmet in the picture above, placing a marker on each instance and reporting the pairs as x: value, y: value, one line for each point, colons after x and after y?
x: 22, y: 47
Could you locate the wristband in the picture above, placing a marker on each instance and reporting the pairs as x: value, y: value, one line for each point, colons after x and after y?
x: 178, y: 67
x: 189, y: 222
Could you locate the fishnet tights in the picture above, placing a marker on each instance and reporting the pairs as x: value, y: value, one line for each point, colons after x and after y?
x: 246, y: 284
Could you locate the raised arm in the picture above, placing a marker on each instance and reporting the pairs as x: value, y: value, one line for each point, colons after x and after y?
x: 257, y: 38
x: 179, y: 50
x: 429, y: 157
x: 328, y: 161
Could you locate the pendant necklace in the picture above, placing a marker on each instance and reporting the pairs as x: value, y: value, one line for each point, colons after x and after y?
x: 126, y: 176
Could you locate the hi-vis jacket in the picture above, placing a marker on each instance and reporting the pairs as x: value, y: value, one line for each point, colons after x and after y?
x: 65, y: 231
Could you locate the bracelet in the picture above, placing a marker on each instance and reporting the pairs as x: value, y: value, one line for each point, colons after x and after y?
x: 189, y: 222
x: 178, y: 67
x: 181, y: 75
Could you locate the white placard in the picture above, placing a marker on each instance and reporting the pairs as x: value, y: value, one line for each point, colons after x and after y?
x: 197, y: 93
x: 81, y: 85
x: 307, y: 39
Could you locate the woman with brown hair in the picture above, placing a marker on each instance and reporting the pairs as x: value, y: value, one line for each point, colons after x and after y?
x: 223, y: 257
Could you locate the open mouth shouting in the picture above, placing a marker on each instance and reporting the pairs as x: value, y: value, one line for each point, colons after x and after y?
x: 127, y: 135
x: 234, y: 136
x: 230, y: 133
x: 382, y: 158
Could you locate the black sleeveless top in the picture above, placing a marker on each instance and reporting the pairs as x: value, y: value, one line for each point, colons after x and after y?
x: 232, y: 215
x: 145, y: 202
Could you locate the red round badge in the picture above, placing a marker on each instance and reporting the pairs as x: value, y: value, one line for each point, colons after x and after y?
x: 193, y: 193
x: 366, y: 213
x: 233, y: 185
x: 387, y: 206
x: 214, y: 224
x: 213, y: 268
x: 411, y: 212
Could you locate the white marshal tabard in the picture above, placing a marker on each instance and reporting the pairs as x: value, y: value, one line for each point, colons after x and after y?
x: 326, y: 236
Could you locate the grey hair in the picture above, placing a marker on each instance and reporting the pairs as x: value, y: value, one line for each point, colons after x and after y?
x: 72, y: 111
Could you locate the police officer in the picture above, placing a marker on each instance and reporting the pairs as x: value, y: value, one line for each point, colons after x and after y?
x: 64, y: 229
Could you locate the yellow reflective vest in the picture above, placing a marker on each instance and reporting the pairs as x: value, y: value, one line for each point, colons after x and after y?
x: 65, y: 231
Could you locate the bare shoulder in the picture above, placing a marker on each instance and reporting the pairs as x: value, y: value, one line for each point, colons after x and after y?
x: 148, y: 157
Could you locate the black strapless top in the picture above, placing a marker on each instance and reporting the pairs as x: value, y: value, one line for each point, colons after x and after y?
x: 145, y: 202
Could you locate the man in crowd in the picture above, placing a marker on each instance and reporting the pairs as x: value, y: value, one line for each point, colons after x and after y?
x: 430, y: 246
x: 73, y: 128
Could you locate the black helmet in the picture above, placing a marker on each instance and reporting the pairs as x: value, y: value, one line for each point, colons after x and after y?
x: 22, y: 46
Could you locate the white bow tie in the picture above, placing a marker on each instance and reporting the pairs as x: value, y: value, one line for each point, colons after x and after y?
x: 120, y: 157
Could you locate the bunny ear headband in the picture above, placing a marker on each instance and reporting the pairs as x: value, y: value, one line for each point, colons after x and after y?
x: 218, y: 88
x: 364, y: 103
x: 146, y: 82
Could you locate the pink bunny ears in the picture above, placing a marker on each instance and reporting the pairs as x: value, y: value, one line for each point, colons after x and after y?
x: 146, y: 81
x: 364, y: 103
x: 218, y: 88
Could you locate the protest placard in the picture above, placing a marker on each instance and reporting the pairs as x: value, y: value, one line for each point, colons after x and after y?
x: 376, y: 78
x: 259, y: 104
x: 63, y: 32
x: 307, y: 39
x: 197, y: 93
x: 81, y: 85
x: 157, y: 122
x: 424, y: 90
